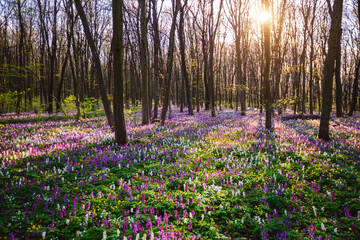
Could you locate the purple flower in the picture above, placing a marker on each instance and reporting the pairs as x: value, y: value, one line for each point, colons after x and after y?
x: 148, y: 223
x: 264, y: 234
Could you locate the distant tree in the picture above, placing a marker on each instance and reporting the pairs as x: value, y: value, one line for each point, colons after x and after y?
x: 236, y: 8
x: 328, y: 72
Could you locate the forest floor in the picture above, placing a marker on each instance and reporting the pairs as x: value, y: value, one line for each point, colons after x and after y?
x: 194, y: 178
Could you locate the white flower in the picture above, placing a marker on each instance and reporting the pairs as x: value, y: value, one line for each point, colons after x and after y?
x: 323, y: 227
x: 43, y: 234
x: 67, y: 221
x: 137, y: 236
x: 86, y: 218
x: 335, y: 230
x: 202, y: 217
x: 314, y: 208
x: 117, y: 232
x: 104, y: 235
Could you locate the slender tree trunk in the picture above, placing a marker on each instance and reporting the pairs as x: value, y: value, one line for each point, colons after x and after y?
x: 62, y: 75
x: 184, y: 72
x: 339, y: 93
x: 76, y: 87
x: 118, y: 53
x: 327, y: 82
x: 303, y: 100
x: 157, y: 54
x: 52, y: 61
x: 169, y: 64
x: 267, y: 95
x: 21, y: 59
x: 144, y: 63
x: 97, y: 63
x: 311, y: 81
x: 355, y: 89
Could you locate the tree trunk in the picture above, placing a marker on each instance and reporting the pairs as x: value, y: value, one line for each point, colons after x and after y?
x: 157, y: 55
x: 62, y: 74
x: 267, y: 94
x: 97, y: 63
x: 327, y: 82
x: 144, y: 63
x: 355, y: 89
x: 356, y: 78
x: 184, y: 72
x: 311, y: 81
x: 118, y: 53
x: 338, y: 80
x: 169, y: 64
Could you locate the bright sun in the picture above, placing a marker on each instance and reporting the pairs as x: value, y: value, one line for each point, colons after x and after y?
x: 264, y: 16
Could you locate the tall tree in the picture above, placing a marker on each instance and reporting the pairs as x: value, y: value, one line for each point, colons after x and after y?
x: 118, y: 53
x: 328, y: 71
x: 169, y: 64
x: 339, y: 92
x: 157, y: 57
x: 144, y: 63
x: 355, y: 90
x: 52, y: 60
x: 235, y: 12
x: 267, y: 92
x: 184, y: 72
x: 311, y: 58
x: 279, y: 51
x: 97, y: 63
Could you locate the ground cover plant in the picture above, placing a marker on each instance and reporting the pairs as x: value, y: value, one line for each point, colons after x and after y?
x: 196, y: 177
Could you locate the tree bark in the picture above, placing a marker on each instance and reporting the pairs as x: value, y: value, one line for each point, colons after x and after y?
x: 169, y: 64
x: 144, y: 63
x: 356, y: 78
x: 184, y: 71
x: 52, y: 61
x: 327, y: 81
x: 267, y: 94
x: 339, y: 93
x: 157, y: 56
x: 355, y: 89
x: 118, y: 53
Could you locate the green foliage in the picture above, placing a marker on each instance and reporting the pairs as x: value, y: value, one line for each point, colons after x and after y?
x: 89, y: 105
x: 69, y: 103
x: 8, y: 101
